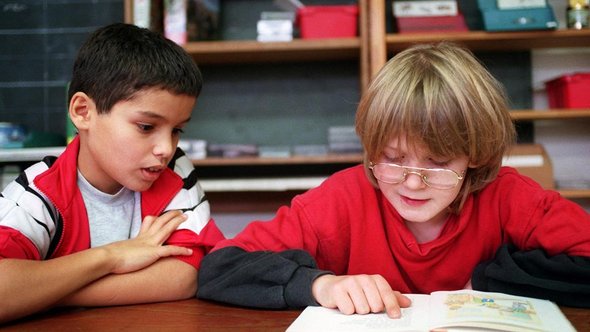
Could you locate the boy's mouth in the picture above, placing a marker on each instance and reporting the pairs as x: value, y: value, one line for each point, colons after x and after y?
x: 152, y: 173
x: 413, y: 202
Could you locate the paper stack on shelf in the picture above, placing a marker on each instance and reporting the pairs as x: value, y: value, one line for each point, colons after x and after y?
x: 310, y: 150
x: 274, y: 151
x: 232, y: 150
x: 275, y: 26
x: 343, y: 140
x: 194, y: 148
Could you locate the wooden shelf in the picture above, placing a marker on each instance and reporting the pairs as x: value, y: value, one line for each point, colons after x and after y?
x: 575, y: 193
x: 495, y: 41
x: 249, y: 51
x: 371, y: 49
x: 328, y: 159
x: 550, y: 114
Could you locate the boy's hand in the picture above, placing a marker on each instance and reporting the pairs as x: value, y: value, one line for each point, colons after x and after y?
x: 468, y: 285
x: 361, y: 294
x: 145, y: 249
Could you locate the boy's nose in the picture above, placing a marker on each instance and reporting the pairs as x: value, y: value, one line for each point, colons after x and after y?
x: 164, y: 148
x: 414, y: 179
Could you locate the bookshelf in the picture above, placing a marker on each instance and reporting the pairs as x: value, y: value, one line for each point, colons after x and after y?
x: 372, y: 49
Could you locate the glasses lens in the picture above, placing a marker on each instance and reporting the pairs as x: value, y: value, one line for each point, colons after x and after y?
x: 388, y: 173
x: 440, y: 178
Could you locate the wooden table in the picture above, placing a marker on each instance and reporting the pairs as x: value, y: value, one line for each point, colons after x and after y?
x: 188, y: 315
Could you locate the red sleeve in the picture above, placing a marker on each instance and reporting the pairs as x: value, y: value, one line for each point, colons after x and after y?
x: 562, y: 227
x: 200, y: 243
x: 285, y: 231
x: 537, y: 218
x: 15, y: 245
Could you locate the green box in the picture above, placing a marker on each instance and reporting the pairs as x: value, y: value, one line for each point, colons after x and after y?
x: 495, y: 19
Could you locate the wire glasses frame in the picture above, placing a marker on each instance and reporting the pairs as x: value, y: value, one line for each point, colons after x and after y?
x: 438, y: 178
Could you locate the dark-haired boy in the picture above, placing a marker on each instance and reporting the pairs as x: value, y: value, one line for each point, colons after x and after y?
x: 119, y: 217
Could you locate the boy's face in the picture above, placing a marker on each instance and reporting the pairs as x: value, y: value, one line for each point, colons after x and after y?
x: 415, y: 201
x: 132, y: 145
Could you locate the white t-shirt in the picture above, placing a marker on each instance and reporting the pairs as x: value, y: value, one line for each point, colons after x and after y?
x: 111, y: 217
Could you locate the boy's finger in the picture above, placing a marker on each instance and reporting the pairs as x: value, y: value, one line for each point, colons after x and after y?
x: 173, y: 223
x: 168, y: 216
x: 395, y: 302
x: 374, y: 297
x: 166, y: 251
x: 162, y: 233
x: 168, y: 221
x: 403, y: 300
x: 359, y: 300
x: 147, y: 222
x: 391, y: 299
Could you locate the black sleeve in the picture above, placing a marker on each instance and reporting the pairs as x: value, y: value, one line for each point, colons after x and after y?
x: 562, y: 279
x: 260, y: 279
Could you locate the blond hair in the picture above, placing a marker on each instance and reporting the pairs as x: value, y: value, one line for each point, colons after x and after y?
x: 439, y: 96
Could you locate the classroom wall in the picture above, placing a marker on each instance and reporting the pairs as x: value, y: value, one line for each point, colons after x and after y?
x: 39, y: 39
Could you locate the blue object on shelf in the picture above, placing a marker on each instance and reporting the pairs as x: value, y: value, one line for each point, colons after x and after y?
x: 12, y: 135
x: 495, y: 19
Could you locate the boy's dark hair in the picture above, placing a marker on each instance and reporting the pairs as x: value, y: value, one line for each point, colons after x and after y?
x: 121, y: 59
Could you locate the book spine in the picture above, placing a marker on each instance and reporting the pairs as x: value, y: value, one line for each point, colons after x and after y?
x: 175, y: 21
x: 142, y: 13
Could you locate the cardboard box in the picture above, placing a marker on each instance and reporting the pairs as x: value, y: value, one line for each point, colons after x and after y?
x: 569, y: 91
x: 336, y: 21
x: 533, y: 161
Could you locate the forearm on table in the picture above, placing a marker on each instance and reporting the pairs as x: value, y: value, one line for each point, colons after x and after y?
x: 166, y: 280
x: 261, y: 279
x: 28, y: 286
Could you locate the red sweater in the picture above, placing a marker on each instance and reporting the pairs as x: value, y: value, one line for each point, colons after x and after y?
x: 349, y: 227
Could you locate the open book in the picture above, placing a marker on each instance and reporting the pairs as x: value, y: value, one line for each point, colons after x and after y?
x: 463, y: 310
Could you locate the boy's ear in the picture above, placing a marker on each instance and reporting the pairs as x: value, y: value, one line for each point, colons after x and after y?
x: 82, y: 107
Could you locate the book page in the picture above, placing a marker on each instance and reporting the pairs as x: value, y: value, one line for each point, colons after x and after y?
x: 414, y: 318
x: 495, y: 310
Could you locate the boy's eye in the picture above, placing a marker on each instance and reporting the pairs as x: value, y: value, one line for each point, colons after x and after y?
x: 144, y: 127
x: 439, y: 163
x: 393, y: 159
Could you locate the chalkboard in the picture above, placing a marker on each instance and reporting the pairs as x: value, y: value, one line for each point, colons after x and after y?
x: 38, y: 43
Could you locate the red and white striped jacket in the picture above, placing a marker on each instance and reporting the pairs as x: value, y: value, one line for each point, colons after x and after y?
x: 43, y: 215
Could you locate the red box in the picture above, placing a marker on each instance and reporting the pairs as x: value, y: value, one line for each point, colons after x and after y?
x: 431, y: 23
x: 569, y: 91
x: 317, y: 22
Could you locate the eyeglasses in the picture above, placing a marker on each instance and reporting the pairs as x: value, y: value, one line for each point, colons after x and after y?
x: 439, y: 178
